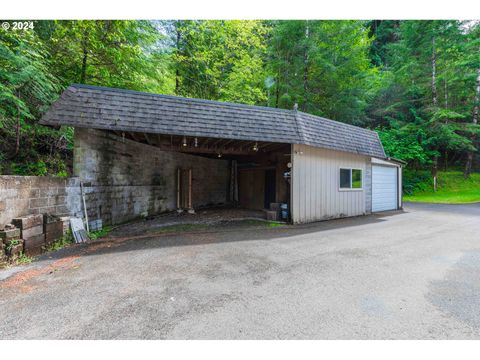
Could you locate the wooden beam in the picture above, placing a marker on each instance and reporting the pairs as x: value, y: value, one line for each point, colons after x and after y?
x: 135, y: 136
x: 269, y: 146
x: 206, y: 145
x: 215, y: 143
x: 204, y: 150
x: 228, y: 142
x: 148, y: 139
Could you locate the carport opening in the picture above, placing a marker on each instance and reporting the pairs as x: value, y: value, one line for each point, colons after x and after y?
x: 258, y: 176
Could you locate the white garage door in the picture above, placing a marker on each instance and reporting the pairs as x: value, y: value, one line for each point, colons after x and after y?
x: 384, y: 188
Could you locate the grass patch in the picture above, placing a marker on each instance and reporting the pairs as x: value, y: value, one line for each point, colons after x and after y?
x: 63, y: 242
x: 196, y: 227
x: 452, y: 189
x: 12, y: 244
x: 94, y: 235
x: 23, y: 259
x: 181, y: 228
x: 268, y: 224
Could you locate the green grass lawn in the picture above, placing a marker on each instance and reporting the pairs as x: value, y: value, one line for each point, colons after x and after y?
x: 452, y: 189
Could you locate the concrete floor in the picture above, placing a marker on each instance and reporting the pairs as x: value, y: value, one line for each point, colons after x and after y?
x: 410, y: 275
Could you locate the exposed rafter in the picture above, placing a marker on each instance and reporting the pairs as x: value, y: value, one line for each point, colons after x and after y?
x: 205, y: 145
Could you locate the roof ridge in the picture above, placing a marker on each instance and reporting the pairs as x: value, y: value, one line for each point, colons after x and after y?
x: 298, y: 125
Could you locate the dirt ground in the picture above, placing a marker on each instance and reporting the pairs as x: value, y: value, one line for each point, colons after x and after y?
x: 204, y: 218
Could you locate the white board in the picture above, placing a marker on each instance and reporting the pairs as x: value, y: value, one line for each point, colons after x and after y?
x: 78, y: 230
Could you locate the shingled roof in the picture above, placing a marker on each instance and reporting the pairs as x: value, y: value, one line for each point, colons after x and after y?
x: 124, y: 110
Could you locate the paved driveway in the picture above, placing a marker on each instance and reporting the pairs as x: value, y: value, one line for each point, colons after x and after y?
x: 410, y: 275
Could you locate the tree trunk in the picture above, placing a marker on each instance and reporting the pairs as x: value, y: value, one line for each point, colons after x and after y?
x: 305, y: 67
x: 177, y: 49
x: 476, y: 110
x: 445, y: 85
x: 445, y: 155
x: 277, y: 89
x: 17, y: 135
x: 435, y: 105
x: 83, y: 74
x: 434, y: 74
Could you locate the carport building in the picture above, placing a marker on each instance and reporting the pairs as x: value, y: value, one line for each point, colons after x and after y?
x: 141, y: 153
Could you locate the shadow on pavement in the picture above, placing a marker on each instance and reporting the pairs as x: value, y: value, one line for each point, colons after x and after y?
x: 211, y: 235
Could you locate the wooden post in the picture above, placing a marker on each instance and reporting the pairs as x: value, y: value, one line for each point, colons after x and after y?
x: 190, y: 189
x: 84, y: 207
x: 178, y: 187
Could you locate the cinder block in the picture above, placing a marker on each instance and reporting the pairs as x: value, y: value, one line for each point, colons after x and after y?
x: 271, y: 215
x: 10, y: 234
x: 13, y: 251
x: 275, y: 206
x: 34, y: 245
x: 66, y: 224
x: 40, y: 202
x: 53, y: 231
x: 27, y: 222
x: 34, y: 193
x: 48, y: 192
x: 33, y: 231
x: 61, y: 210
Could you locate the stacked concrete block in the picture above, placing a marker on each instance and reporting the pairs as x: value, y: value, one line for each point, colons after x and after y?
x: 3, y: 245
x: 11, y: 245
x: 53, y: 228
x: 65, y: 224
x: 32, y: 232
x: 271, y: 215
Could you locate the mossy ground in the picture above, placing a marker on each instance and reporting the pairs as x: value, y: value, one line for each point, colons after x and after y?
x: 453, y: 188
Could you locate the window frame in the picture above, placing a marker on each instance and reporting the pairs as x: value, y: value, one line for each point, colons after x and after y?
x: 351, y: 179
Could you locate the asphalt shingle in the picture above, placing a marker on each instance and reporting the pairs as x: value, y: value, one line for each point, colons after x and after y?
x: 125, y: 110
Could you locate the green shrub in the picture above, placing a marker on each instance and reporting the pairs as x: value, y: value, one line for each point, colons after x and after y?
x: 49, y: 166
x: 416, y: 181
x: 64, y: 241
x: 94, y: 235
x: 38, y: 168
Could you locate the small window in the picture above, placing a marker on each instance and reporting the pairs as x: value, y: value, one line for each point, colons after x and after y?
x: 356, y: 179
x: 350, y: 178
x: 345, y: 178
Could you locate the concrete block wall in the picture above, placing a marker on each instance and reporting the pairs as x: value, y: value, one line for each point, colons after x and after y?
x: 26, y: 195
x: 124, y: 179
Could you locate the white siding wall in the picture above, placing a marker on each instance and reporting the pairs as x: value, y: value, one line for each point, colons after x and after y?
x: 315, y: 184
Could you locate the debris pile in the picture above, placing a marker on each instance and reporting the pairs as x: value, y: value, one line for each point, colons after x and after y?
x: 31, y: 231
x: 29, y: 235
x: 11, y: 245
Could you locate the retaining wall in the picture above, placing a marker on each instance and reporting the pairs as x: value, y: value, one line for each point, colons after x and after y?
x: 26, y: 195
x: 122, y: 180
